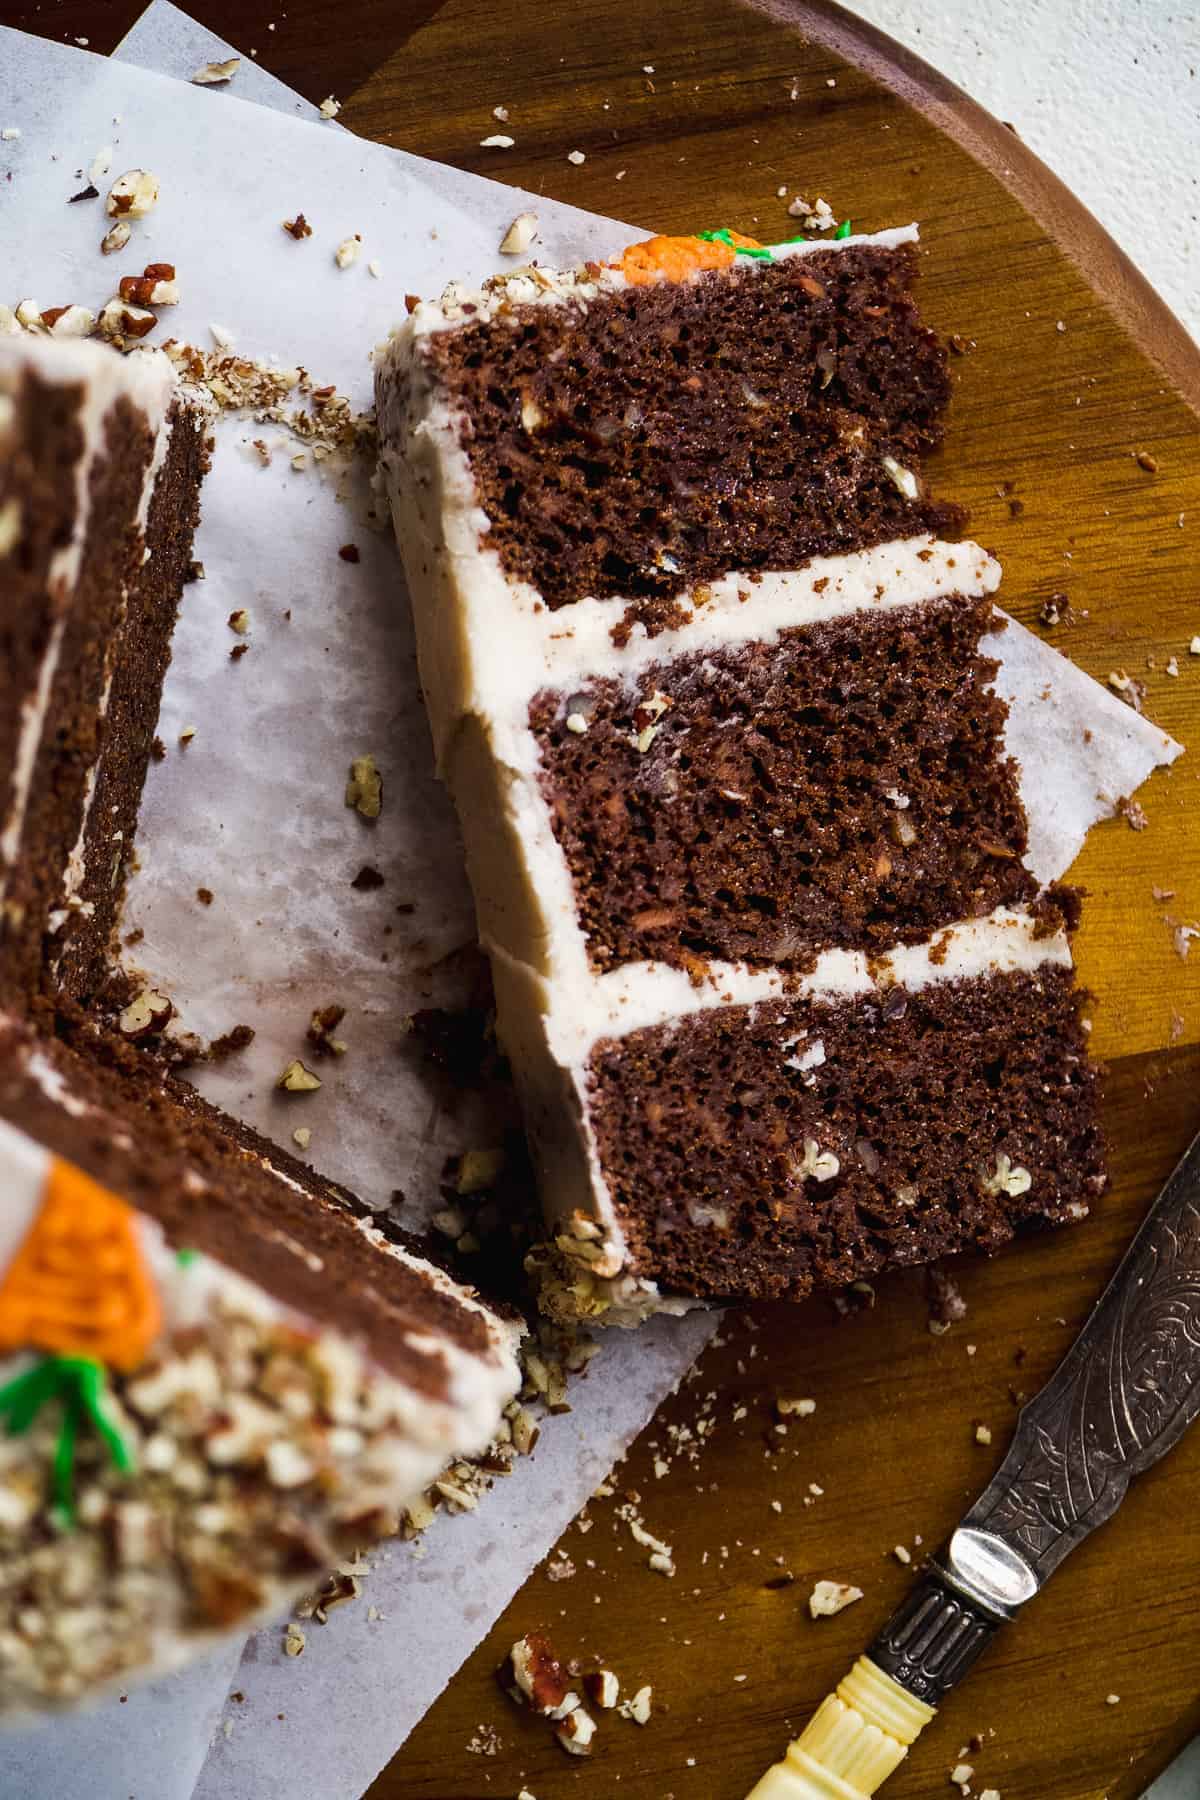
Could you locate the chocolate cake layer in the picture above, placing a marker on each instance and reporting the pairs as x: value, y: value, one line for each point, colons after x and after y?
x: 660, y: 435
x: 768, y: 1151
x: 845, y: 784
x: 40, y: 442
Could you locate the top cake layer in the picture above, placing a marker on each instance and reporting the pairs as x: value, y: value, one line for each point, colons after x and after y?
x: 812, y: 391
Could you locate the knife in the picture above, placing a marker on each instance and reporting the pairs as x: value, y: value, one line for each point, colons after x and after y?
x: 1122, y: 1397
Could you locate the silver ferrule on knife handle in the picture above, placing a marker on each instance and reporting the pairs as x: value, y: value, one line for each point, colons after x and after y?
x: 949, y: 1618
x: 1121, y: 1398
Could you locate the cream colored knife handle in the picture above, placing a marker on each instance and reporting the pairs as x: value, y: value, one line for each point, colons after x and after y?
x: 857, y: 1737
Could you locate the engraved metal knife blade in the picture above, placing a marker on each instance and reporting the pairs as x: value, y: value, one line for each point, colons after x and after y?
x: 1122, y: 1397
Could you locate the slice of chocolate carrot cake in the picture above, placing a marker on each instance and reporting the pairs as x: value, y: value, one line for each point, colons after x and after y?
x: 705, y: 679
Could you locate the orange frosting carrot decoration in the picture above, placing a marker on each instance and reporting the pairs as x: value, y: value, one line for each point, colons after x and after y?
x: 675, y: 258
x: 78, y: 1285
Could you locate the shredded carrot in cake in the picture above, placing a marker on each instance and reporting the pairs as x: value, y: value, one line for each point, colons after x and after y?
x: 78, y: 1285
x: 675, y: 258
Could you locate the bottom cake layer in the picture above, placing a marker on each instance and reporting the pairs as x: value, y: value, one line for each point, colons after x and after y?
x: 211, y: 1387
x: 809, y: 1139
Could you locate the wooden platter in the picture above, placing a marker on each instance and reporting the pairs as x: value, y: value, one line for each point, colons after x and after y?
x: 1075, y: 443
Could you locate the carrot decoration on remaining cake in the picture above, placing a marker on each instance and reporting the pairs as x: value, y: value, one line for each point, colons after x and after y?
x: 675, y: 258
x: 79, y: 1290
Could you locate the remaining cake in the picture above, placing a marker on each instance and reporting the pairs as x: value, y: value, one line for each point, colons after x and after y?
x: 206, y: 1403
x: 706, y: 681
x: 218, y: 1372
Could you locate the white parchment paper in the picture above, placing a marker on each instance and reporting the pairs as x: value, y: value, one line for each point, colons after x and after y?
x: 252, y: 810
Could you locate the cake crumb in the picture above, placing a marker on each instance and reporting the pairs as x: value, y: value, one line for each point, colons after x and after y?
x: 961, y: 1774
x: 576, y: 1731
x: 298, y: 227
x: 1112, y: 1699
x: 347, y: 251
x: 211, y: 74
x: 329, y: 107
x: 364, y: 789
x: 499, y: 140
x: 902, y: 1554
x: 661, y: 1558
x: 520, y: 235
x: 800, y: 1409
x: 638, y: 1709
x: 294, y: 1640
x: 230, y: 1042
x: 297, y: 1079
x: 602, y: 1689
x: 115, y: 238
x: 983, y: 1434
x: 132, y: 195
x: 302, y: 1136
x: 1131, y: 690
x: 831, y: 1597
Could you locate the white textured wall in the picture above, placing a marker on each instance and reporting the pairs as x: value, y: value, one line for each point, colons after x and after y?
x: 1107, y: 92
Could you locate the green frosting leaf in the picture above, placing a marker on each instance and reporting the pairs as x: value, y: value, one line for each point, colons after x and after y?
x: 80, y: 1386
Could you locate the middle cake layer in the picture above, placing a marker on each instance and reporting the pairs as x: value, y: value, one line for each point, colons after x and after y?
x: 845, y: 785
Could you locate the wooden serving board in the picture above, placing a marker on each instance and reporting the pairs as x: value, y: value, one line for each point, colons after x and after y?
x: 1046, y: 426
x: 1076, y: 369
